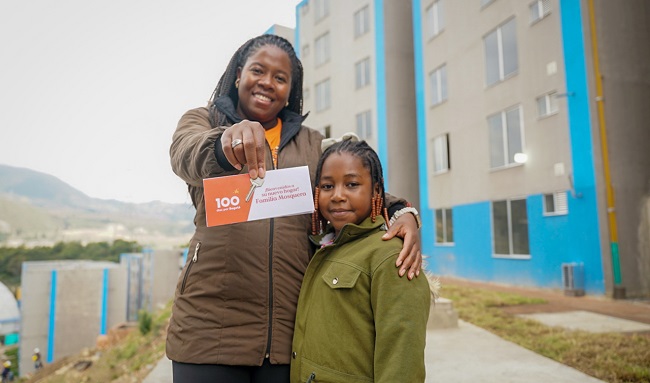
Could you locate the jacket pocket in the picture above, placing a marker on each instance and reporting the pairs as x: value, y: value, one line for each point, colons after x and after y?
x: 340, y: 276
x: 314, y: 373
x: 190, y: 263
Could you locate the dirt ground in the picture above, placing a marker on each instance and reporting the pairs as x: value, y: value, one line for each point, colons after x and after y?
x: 631, y: 309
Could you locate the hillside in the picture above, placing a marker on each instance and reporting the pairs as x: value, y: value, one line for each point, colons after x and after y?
x: 38, y: 208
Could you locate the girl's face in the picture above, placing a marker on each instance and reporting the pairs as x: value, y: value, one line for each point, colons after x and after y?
x: 346, y: 190
x: 264, y: 85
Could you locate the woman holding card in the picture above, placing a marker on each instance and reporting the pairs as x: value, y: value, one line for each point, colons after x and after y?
x: 235, y: 302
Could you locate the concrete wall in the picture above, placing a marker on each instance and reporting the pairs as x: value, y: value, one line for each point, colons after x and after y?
x: 622, y: 36
x: 400, y: 142
x: 166, y: 271
x: 66, y: 305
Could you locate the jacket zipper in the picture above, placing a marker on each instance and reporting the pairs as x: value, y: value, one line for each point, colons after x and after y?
x: 195, y: 258
x: 270, y: 331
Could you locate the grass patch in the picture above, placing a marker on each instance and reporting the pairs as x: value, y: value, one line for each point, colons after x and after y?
x: 611, y: 357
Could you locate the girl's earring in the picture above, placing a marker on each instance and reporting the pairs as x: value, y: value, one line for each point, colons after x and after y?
x: 286, y: 104
x: 237, y: 83
x: 373, y: 212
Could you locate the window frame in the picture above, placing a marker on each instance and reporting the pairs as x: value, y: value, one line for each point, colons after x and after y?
x: 441, y: 155
x: 542, y: 13
x: 550, y: 101
x: 446, y: 216
x: 321, y: 9
x: 363, y: 124
x: 508, y: 156
x: 322, y: 49
x: 435, y: 19
x: 500, y: 55
x: 441, y: 89
x: 362, y: 76
x: 361, y: 22
x: 560, y: 204
x: 323, y: 95
x: 512, y: 254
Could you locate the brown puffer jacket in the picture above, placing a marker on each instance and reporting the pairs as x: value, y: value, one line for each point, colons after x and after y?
x: 236, y: 297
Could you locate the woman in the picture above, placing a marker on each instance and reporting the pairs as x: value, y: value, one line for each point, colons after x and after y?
x: 236, y: 298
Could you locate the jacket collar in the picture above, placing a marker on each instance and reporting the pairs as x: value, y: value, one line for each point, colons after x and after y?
x: 350, y: 231
x: 291, y: 121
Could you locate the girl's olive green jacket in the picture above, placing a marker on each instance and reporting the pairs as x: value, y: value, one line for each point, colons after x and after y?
x: 357, y: 320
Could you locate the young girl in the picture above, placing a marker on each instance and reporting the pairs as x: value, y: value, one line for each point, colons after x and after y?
x: 357, y: 320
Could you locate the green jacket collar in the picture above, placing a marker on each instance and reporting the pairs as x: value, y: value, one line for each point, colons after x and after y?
x: 350, y: 231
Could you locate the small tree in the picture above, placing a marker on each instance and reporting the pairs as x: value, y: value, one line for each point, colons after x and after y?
x: 144, y: 322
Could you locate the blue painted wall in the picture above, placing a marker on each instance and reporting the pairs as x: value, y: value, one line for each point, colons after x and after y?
x: 380, y: 76
x: 553, y: 240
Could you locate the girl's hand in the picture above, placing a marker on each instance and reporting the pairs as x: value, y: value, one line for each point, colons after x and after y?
x: 406, y: 227
x: 251, y: 150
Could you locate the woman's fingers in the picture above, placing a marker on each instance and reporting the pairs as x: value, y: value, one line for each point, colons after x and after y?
x: 244, y: 144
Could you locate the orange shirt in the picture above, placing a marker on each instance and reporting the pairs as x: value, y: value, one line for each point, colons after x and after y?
x: 273, y: 138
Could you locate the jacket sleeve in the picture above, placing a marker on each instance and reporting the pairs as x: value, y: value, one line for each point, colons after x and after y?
x: 192, y: 151
x: 401, y: 314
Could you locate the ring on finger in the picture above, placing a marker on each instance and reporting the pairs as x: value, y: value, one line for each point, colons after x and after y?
x: 236, y: 142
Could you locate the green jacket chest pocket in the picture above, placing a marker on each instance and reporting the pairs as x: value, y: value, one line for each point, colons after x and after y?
x: 341, y: 276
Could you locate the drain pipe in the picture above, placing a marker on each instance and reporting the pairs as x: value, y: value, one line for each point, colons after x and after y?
x: 619, y: 290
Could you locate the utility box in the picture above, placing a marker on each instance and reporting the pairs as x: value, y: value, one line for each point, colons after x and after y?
x: 573, y: 279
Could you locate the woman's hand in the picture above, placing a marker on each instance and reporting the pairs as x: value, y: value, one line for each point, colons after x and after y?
x: 251, y: 149
x: 406, y: 227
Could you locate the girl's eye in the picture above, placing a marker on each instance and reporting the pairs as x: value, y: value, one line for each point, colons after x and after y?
x: 281, y: 79
x: 256, y: 70
x: 325, y: 187
x: 353, y: 184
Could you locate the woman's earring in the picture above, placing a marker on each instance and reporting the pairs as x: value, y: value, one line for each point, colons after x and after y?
x: 286, y: 104
x: 237, y: 83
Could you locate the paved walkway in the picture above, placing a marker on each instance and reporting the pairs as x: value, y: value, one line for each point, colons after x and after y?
x: 466, y: 354
x: 470, y: 354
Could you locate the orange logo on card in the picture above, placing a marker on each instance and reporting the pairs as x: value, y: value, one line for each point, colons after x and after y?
x: 225, y: 199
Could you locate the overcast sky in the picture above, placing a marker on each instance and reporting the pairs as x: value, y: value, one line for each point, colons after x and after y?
x: 91, y: 91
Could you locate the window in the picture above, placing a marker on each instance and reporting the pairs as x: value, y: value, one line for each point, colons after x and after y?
x: 501, y: 52
x: 556, y: 204
x: 362, y: 73
x: 539, y: 9
x: 305, y: 8
x: 506, y: 137
x: 364, y: 125
x: 435, y: 19
x: 361, y: 21
x: 547, y: 104
x: 441, y: 154
x: 322, y: 9
x: 444, y: 226
x: 323, y: 95
x: 305, y: 50
x: 327, y: 132
x: 322, y: 48
x: 510, y: 227
x: 438, y: 81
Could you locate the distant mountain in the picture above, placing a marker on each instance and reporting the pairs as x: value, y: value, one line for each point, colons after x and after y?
x: 37, y: 207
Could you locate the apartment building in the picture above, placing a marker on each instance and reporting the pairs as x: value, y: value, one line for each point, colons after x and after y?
x: 358, y: 63
x: 531, y: 137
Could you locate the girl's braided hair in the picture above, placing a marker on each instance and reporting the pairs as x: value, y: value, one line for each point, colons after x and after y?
x: 370, y: 160
x: 226, y: 85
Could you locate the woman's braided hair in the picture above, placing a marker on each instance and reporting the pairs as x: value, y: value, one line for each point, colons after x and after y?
x: 370, y: 160
x: 226, y: 85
